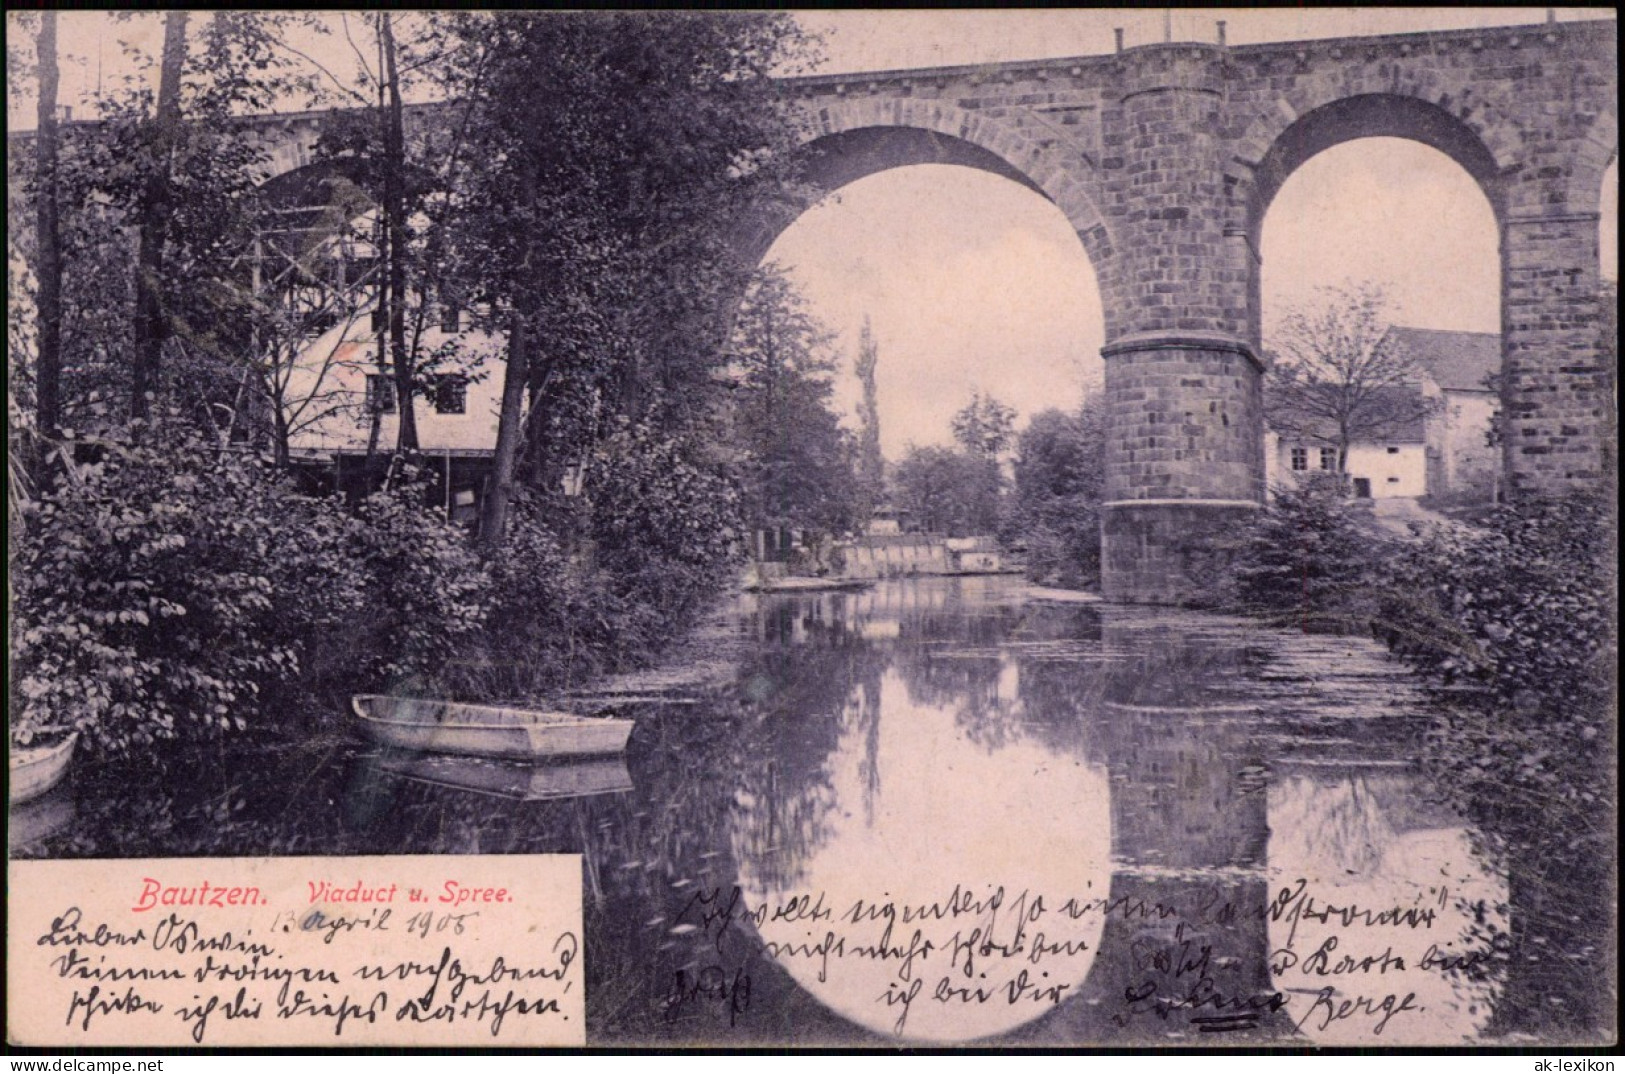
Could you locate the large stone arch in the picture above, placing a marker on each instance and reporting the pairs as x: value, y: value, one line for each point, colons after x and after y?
x: 1296, y: 136
x: 1544, y: 189
x: 846, y: 140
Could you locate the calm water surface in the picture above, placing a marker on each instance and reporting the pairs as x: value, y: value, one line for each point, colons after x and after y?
x: 941, y: 811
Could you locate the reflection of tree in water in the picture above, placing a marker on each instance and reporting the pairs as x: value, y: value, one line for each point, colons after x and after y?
x: 1333, y: 829
x: 867, y: 717
x: 949, y: 660
x: 803, y: 701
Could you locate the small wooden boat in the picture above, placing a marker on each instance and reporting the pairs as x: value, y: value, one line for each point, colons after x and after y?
x: 487, y: 730
x: 37, y: 769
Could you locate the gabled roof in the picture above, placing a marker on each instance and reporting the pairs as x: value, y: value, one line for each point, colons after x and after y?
x: 1458, y: 361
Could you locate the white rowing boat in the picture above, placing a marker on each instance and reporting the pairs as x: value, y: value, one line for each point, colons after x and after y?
x: 36, y: 769
x: 432, y: 726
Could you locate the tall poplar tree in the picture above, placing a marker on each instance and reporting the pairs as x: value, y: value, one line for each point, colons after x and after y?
x: 871, y: 467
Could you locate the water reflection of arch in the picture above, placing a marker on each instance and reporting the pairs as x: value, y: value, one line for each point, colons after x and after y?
x: 1190, y: 831
x: 924, y: 801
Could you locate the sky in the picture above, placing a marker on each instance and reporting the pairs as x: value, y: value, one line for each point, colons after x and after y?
x: 976, y: 283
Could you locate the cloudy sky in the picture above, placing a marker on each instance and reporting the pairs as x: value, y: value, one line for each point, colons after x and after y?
x: 975, y: 283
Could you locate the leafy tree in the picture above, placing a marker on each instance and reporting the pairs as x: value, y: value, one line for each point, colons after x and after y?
x: 611, y: 154
x: 947, y: 491
x: 985, y: 427
x: 1308, y: 556
x: 158, y: 316
x: 797, y: 465
x: 1340, y: 376
x: 665, y: 526
x: 1060, y: 478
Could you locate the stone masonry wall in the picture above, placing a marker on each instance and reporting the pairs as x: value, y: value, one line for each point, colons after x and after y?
x: 1184, y: 424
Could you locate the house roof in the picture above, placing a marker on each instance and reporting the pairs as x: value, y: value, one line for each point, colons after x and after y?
x: 1458, y: 361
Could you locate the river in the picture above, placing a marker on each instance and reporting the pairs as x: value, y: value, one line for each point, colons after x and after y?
x: 944, y: 810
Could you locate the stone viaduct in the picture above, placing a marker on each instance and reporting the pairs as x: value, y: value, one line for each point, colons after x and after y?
x: 1165, y: 159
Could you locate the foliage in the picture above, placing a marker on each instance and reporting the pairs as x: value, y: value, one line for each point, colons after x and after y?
x: 163, y: 590
x: 666, y: 528
x: 1309, y: 556
x: 797, y: 466
x: 546, y: 623
x: 209, y: 165
x: 1513, y: 611
x: 947, y: 491
x: 1060, y: 477
x: 426, y: 588
x: 611, y: 156
x: 1510, y: 623
x: 1513, y: 624
x: 1340, y: 376
x: 984, y: 426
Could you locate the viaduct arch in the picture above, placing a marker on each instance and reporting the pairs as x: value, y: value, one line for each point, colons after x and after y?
x: 1164, y: 159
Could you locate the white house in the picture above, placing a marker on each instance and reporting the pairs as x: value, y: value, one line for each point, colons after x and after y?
x: 1445, y: 452
x: 1461, y: 367
x: 337, y: 385
x: 1394, y: 466
x: 339, y: 374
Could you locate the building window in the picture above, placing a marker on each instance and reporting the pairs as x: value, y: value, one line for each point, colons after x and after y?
x: 1393, y: 451
x: 1393, y: 480
x: 1328, y: 458
x: 380, y: 393
x: 450, y: 319
x: 380, y: 319
x: 1300, y: 458
x: 449, y: 391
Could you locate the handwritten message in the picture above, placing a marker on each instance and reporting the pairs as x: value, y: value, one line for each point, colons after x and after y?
x: 1293, y: 960
x: 297, y: 951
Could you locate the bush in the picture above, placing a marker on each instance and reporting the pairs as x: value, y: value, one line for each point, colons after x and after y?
x: 1510, y: 624
x: 667, y: 533
x: 1515, y: 612
x: 1060, y: 475
x: 426, y: 590
x: 165, y: 589
x: 1309, y: 556
x: 1513, y: 626
x: 547, y: 622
